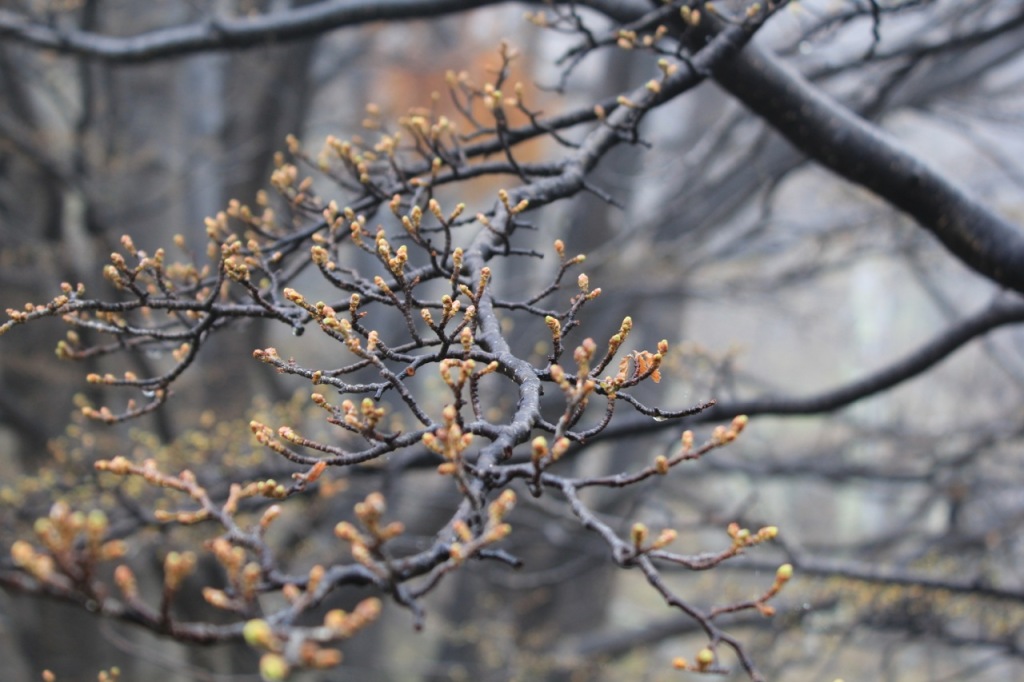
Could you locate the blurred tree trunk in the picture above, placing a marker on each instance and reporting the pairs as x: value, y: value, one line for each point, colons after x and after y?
x: 150, y: 150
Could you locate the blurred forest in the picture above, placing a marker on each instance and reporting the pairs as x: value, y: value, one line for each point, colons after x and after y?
x: 778, y: 223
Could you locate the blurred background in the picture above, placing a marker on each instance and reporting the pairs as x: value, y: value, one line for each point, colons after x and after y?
x: 768, y: 275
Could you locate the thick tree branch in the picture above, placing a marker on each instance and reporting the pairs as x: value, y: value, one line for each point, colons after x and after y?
x: 232, y: 33
x: 854, y: 149
x: 229, y: 33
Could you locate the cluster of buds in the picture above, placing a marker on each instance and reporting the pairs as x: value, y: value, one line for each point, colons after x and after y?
x: 460, y: 79
x: 132, y: 409
x: 481, y: 285
x: 363, y: 418
x: 181, y: 352
x: 38, y: 564
x: 727, y: 434
x: 578, y: 392
x: 492, y: 98
x: 495, y: 529
x: 543, y: 455
x: 32, y: 310
x: 285, y: 176
x: 109, y: 379
x: 72, y: 541
x: 448, y: 441
x: 555, y: 327
x: 321, y: 258
x: 449, y: 307
x: 265, y: 437
x: 648, y: 364
x: 243, y: 577
x: 365, y: 547
x: 506, y: 201
x: 302, y: 646
x: 424, y: 130
x: 177, y: 567
x: 464, y: 372
x: 619, y: 337
x: 264, y: 222
x: 412, y: 222
x: 357, y: 228
x: 636, y: 366
x: 414, y: 219
x: 184, y: 482
x: 125, y: 580
x: 583, y: 356
x: 628, y: 39
x: 639, y: 536
x: 122, y: 466
x: 466, y: 340
x: 357, y: 159
x: 343, y: 149
x: 270, y: 487
x: 236, y: 262
x: 345, y: 624
x: 327, y: 317
x: 577, y: 301
x: 446, y: 221
x: 466, y: 369
x: 559, y: 247
x: 121, y: 275
x: 103, y: 414
x: 335, y: 220
x: 217, y: 228
x: 705, y: 659
x: 742, y: 537
x: 370, y: 512
x: 394, y: 261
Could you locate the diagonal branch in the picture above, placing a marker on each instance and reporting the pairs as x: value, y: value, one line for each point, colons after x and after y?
x: 911, y: 365
x: 863, y: 154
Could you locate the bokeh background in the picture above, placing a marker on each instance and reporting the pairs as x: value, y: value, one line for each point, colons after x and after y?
x: 769, y: 276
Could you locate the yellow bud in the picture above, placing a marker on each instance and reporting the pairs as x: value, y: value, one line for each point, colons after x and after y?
x: 273, y: 667
x: 258, y: 633
x: 638, y: 534
x: 540, y: 448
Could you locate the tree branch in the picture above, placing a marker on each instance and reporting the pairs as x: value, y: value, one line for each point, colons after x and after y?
x: 917, y: 362
x: 233, y: 33
x: 873, y: 573
x: 858, y: 151
x: 226, y: 33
